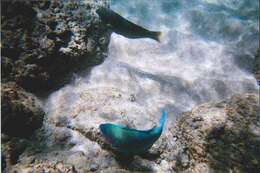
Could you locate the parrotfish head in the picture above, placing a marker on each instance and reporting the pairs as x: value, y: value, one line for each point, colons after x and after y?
x: 104, y: 130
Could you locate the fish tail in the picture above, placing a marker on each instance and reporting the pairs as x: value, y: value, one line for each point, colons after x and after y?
x: 156, y: 35
x: 163, y: 118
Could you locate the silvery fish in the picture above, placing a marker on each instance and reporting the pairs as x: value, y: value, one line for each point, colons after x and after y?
x: 131, y: 141
x: 124, y: 27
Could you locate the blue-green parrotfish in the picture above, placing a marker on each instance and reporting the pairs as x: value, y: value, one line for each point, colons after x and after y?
x: 122, y: 26
x: 130, y: 141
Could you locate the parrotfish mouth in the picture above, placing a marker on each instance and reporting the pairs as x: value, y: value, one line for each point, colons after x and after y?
x: 131, y: 141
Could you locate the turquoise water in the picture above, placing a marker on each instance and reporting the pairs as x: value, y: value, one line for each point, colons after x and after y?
x: 206, y: 53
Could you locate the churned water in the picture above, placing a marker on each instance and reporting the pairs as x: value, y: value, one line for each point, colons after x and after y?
x: 206, y: 53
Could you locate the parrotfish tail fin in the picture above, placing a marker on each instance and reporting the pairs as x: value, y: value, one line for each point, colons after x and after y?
x: 156, y: 36
x: 163, y: 118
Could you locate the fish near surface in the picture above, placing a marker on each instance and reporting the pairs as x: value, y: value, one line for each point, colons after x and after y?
x: 131, y: 141
x: 124, y: 27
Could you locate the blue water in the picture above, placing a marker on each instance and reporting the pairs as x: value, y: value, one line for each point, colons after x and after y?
x: 206, y: 53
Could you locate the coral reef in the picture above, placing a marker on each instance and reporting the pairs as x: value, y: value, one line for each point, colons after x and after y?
x: 213, y: 137
x: 21, y: 111
x: 44, y: 41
